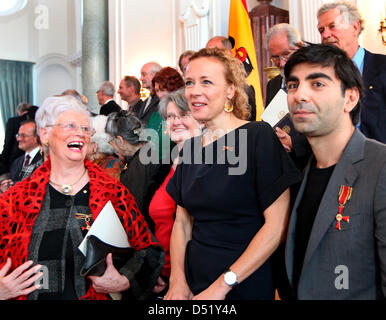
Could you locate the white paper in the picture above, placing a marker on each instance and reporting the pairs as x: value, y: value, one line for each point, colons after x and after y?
x: 276, y: 109
x: 108, y: 228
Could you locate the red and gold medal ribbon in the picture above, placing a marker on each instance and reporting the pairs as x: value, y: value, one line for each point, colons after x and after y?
x: 344, y: 196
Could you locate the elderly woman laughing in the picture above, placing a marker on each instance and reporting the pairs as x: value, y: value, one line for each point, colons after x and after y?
x: 44, y: 218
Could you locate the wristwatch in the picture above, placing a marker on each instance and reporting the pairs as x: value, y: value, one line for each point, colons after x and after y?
x: 230, y: 278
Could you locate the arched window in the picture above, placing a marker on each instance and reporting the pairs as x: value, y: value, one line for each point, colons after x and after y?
x: 8, y: 7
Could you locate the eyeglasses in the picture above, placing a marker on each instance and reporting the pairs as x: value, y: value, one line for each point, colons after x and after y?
x: 183, y: 117
x: 71, y: 127
x: 23, y: 135
x: 283, y: 57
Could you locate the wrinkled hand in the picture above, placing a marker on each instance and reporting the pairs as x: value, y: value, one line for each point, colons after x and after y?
x: 5, y: 185
x: 178, y: 291
x: 159, y: 286
x: 284, y: 138
x: 19, y: 281
x: 111, y: 280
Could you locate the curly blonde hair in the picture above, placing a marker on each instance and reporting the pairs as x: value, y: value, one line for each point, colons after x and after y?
x: 234, y: 74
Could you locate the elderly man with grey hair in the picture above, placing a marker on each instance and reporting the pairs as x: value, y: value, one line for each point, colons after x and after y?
x: 280, y: 41
x: 150, y: 105
x: 105, y: 95
x: 340, y: 23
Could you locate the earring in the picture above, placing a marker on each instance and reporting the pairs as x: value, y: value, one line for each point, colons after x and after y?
x: 228, y: 108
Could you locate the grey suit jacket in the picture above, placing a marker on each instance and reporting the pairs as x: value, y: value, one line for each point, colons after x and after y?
x: 357, y: 251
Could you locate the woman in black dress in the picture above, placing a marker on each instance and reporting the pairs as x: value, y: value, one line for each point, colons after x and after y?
x: 231, y: 188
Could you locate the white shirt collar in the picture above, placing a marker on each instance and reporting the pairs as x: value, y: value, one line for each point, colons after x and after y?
x: 32, y: 153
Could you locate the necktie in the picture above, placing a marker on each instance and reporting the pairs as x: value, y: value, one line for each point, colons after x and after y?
x: 27, y: 160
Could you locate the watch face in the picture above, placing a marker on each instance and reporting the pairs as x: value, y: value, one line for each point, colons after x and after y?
x: 230, y: 278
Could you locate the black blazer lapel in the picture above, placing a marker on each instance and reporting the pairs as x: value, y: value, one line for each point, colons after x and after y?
x: 153, y: 102
x: 290, y: 242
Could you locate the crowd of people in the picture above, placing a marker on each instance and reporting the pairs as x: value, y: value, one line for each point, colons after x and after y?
x: 215, y: 205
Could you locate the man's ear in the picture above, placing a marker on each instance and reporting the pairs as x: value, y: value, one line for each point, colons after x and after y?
x: 351, y: 99
x: 357, y: 27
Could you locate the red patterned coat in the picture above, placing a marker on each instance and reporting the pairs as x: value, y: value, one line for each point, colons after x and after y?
x: 21, y: 204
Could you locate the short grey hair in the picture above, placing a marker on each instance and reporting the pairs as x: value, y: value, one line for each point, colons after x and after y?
x: 126, y: 125
x: 100, y: 137
x: 154, y: 67
x: 349, y: 12
x: 290, y: 31
x: 53, y: 107
x: 178, y: 98
x: 107, y: 88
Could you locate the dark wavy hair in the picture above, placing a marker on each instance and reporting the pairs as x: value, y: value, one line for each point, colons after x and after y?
x: 168, y: 79
x: 326, y: 55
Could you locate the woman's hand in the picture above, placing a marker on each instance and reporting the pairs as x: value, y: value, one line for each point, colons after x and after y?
x: 19, y: 281
x: 178, y: 290
x: 160, y: 285
x: 111, y: 281
x: 216, y: 291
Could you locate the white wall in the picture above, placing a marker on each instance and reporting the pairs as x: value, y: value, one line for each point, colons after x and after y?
x: 372, y: 11
x: 25, y: 39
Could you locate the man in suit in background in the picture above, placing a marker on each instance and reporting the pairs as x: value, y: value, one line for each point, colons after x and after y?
x: 10, y: 150
x: 280, y: 41
x: 336, y: 241
x: 105, y: 95
x: 28, y: 142
x: 130, y: 91
x: 150, y: 105
x: 340, y: 24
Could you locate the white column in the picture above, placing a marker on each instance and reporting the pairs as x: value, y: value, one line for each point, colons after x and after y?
x: 303, y: 16
x: 94, y: 49
x: 195, y: 22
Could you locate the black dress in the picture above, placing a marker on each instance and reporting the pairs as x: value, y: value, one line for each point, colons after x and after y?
x: 226, y: 186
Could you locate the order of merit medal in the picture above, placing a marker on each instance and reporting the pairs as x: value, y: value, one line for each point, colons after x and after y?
x: 344, y: 196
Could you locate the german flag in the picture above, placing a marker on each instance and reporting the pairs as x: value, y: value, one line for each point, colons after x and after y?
x: 240, y: 34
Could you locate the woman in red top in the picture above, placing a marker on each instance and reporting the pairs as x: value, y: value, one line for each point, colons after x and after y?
x: 180, y: 126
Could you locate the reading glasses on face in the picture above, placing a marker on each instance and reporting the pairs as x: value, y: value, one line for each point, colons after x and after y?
x: 23, y: 135
x: 172, y: 117
x: 71, y: 127
x: 283, y: 57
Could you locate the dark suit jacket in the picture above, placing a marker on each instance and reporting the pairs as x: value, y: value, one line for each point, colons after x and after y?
x: 273, y: 87
x: 373, y: 114
x: 360, y: 245
x: 110, y: 107
x: 144, y: 116
x: 17, y: 166
x: 136, y: 108
x: 11, y: 150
